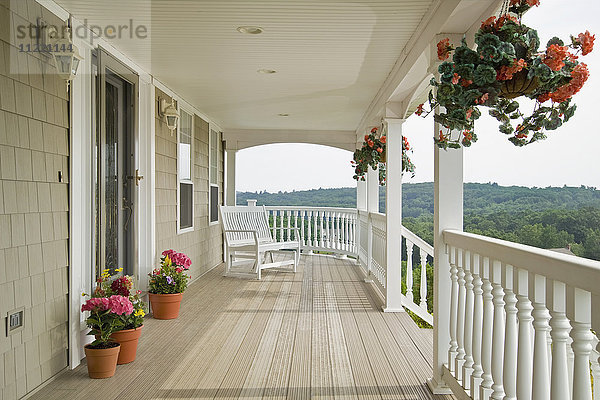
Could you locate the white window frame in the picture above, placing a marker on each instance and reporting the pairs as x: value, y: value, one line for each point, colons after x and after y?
x: 181, y: 230
x: 212, y: 128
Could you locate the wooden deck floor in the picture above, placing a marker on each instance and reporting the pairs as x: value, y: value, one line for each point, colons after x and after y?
x: 318, y: 333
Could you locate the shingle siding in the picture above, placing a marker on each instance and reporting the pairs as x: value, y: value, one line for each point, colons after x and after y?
x: 34, y: 146
x: 204, y: 245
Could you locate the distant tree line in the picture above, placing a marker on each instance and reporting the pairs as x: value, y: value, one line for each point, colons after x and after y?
x: 543, y: 217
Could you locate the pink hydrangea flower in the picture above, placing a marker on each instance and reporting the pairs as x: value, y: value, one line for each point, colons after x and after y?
x: 96, y: 304
x: 120, y: 305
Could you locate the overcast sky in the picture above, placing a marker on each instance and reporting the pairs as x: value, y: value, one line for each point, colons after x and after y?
x: 570, y: 156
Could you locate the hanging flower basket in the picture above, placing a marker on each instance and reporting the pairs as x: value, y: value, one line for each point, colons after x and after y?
x: 519, y: 85
x: 507, y: 65
x: 373, y: 154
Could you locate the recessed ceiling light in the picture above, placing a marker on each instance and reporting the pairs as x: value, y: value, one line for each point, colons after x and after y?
x: 250, y: 30
x: 284, y: 115
x: 266, y: 71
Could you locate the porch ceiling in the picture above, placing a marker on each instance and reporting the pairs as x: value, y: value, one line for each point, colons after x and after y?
x: 332, y: 57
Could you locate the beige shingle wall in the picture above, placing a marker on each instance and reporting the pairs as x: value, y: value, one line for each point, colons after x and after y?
x: 34, y: 146
x: 204, y: 245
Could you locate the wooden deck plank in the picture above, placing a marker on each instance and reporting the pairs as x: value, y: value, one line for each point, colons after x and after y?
x: 321, y: 376
x: 254, y: 384
x: 318, y: 333
x: 364, y: 378
x: 278, y: 377
x: 300, y: 368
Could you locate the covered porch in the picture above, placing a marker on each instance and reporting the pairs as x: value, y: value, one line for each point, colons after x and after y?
x: 508, y: 319
x: 318, y: 333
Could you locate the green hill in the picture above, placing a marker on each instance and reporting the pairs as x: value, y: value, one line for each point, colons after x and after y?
x: 544, y: 217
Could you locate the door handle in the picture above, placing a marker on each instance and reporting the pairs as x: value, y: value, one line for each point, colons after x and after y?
x: 137, y: 177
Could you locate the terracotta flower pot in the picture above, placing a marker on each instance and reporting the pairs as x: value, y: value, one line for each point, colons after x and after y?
x: 128, y: 338
x: 165, y: 306
x: 102, y: 363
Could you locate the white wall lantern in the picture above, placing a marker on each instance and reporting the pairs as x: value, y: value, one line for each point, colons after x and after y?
x: 65, y: 54
x: 170, y: 113
x: 66, y: 58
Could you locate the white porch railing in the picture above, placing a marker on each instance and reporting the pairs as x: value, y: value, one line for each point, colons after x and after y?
x: 372, y: 256
x: 322, y: 228
x: 520, y: 320
x: 359, y: 234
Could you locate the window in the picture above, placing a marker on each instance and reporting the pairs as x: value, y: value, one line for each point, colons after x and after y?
x: 214, y: 173
x: 184, y: 172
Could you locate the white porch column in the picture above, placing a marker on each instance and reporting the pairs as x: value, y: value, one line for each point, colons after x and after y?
x: 393, y: 202
x: 372, y: 190
x: 448, y: 214
x: 361, y: 195
x: 230, y: 197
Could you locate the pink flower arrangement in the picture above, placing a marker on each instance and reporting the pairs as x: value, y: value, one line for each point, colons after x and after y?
x: 105, y: 317
x: 178, y: 259
x: 116, y: 304
x: 170, y: 278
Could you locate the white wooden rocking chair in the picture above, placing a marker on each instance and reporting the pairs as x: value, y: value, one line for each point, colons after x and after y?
x: 248, y: 241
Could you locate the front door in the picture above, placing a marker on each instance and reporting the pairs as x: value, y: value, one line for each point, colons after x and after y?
x: 116, y: 167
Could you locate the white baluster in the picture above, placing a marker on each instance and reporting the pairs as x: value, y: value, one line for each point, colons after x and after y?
x: 468, y: 335
x: 595, y: 355
x: 332, y: 230
x: 486, y: 337
x: 559, y: 378
x: 337, y: 231
x: 303, y: 228
x: 476, y: 376
x: 352, y: 235
x: 580, y: 313
x: 288, y: 214
x: 281, y: 231
x: 409, y: 271
x: 509, y: 375
x: 423, y: 288
x: 524, y: 355
x: 541, y: 376
x: 310, y: 237
x: 460, y: 320
x: 346, y: 237
x: 321, y: 215
x: 570, y: 362
x: 296, y: 225
x: 498, y: 332
x: 453, y: 310
x: 549, y: 345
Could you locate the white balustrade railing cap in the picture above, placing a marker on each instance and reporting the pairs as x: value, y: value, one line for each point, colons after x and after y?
x: 574, y: 271
x: 302, y: 208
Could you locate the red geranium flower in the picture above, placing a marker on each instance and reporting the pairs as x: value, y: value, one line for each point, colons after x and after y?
x: 419, y: 109
x: 443, y: 49
x: 555, y: 56
x: 579, y: 75
x: 586, y: 42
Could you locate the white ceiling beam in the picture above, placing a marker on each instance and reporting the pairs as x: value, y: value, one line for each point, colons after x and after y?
x: 439, y: 13
x: 437, y: 16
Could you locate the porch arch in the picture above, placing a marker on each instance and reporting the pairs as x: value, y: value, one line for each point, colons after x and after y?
x: 238, y: 139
